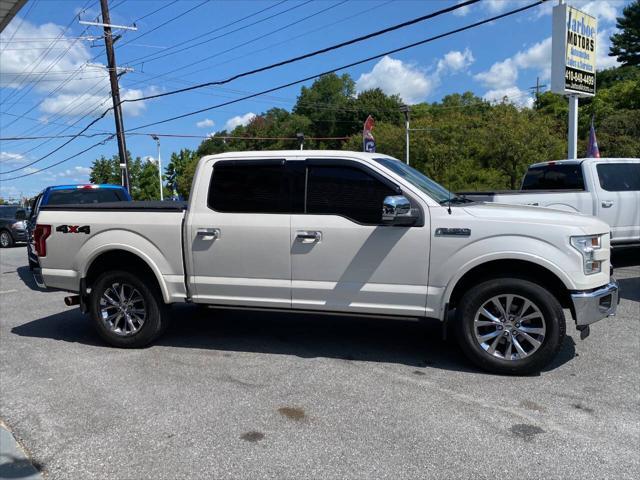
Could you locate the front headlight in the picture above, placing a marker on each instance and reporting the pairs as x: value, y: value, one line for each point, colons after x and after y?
x: 19, y: 225
x: 587, y: 246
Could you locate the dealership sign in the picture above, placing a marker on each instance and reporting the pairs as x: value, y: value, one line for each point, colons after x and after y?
x: 574, y: 43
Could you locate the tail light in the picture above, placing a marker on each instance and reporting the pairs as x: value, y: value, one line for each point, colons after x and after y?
x: 40, y: 235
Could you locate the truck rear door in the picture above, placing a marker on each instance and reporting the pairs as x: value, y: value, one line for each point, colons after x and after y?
x: 618, y: 190
x: 238, y: 234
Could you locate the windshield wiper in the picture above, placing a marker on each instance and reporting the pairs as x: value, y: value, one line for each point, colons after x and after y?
x: 457, y: 199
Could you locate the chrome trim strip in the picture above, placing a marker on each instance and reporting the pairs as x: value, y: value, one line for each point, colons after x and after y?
x: 453, y: 232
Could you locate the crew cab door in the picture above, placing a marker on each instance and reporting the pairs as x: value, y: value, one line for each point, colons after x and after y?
x: 239, y: 229
x: 342, y: 257
x: 618, y: 192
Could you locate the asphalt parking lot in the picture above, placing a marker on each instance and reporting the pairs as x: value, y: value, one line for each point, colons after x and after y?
x: 230, y: 394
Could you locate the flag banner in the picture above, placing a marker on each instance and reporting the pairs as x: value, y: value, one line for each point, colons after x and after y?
x: 592, y: 149
x: 368, y: 142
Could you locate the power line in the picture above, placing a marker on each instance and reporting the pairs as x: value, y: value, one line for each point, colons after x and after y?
x: 165, y: 23
x: 333, y: 70
x: 43, y: 55
x: 102, y: 142
x: 165, y: 54
x: 22, y: 19
x: 220, y: 28
x: 318, y: 52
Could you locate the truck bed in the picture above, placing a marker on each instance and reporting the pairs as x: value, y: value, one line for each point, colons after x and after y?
x: 80, y: 233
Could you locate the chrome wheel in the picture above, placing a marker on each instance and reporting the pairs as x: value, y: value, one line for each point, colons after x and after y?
x: 5, y: 239
x: 122, y: 309
x: 509, y: 327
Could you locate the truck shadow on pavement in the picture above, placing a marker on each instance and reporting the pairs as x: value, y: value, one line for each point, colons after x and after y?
x: 418, y: 345
x: 27, y: 278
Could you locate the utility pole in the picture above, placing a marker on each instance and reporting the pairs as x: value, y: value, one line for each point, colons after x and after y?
x: 115, y: 95
x: 405, y: 109
x: 537, y: 88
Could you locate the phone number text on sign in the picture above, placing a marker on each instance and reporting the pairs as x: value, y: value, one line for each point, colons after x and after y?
x: 579, y: 81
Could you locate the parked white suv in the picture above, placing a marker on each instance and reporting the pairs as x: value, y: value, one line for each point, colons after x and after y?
x: 334, y: 231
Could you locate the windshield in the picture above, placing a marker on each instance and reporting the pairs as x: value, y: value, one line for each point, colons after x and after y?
x: 416, y: 178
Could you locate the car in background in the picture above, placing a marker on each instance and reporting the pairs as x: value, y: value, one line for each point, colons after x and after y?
x: 67, y: 195
x: 13, y: 228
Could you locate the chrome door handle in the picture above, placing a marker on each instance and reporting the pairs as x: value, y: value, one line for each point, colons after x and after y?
x: 208, y: 233
x: 304, y: 236
x: 607, y: 203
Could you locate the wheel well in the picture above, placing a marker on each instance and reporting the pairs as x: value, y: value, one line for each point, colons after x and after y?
x: 514, y: 269
x: 120, y: 260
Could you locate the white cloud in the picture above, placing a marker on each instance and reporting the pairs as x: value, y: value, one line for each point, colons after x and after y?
x: 455, y: 61
x: 74, y: 85
x: 412, y: 84
x: 78, y: 104
x: 603, y: 60
x: 239, y: 120
x: 511, y: 95
x: 462, y: 11
x: 605, y: 11
x: 396, y: 77
x: 10, y: 157
x: 77, y: 173
x: 206, y: 123
x: 501, y: 75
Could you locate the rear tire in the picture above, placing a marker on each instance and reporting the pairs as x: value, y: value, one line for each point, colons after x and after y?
x: 6, y: 240
x: 510, y: 326
x: 127, y: 311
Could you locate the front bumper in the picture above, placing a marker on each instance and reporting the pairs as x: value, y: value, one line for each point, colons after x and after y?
x: 594, y: 305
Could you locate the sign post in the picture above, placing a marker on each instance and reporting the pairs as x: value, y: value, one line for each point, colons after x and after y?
x: 573, y: 62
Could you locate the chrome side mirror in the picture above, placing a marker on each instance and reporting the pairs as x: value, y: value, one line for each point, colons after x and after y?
x: 396, y: 210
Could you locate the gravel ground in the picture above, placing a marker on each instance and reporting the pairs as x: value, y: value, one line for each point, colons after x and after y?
x: 254, y: 395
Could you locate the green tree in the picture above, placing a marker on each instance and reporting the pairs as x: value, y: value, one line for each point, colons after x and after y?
x: 515, y: 138
x: 625, y: 45
x: 181, y: 169
x: 105, y: 170
x: 2, y: 201
x: 329, y: 104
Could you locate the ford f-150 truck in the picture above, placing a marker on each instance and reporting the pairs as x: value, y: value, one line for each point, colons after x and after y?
x: 334, y: 231
x: 608, y: 188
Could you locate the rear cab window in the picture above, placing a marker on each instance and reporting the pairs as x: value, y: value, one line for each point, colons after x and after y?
x: 85, y: 195
x: 619, y: 177
x: 554, y: 177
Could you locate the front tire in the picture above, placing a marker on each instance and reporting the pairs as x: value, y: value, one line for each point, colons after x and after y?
x: 126, y: 311
x: 510, y: 326
x: 6, y: 240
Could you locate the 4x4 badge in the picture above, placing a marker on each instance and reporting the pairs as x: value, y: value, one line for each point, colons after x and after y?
x: 73, y: 229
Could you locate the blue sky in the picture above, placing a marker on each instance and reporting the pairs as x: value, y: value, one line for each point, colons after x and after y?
x: 45, y: 91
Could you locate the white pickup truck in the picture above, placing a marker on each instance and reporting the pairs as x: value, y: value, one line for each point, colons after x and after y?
x: 607, y: 188
x: 334, y: 231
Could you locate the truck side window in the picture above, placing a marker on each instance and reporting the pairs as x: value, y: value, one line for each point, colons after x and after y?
x: 346, y: 191
x: 619, y: 177
x: 554, y: 177
x: 249, y: 187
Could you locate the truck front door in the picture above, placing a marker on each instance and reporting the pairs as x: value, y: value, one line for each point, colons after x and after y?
x: 343, y: 258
